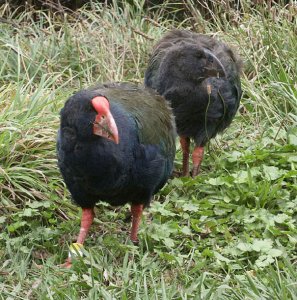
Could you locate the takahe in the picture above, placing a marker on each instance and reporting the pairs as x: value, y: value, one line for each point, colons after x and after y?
x: 116, y: 143
x: 200, y: 77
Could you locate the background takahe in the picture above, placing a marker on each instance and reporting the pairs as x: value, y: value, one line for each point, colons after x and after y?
x: 116, y: 143
x: 200, y: 76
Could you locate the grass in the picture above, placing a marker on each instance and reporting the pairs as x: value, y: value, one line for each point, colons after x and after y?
x: 228, y: 234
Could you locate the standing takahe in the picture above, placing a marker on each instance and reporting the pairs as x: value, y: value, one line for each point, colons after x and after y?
x: 200, y: 77
x: 116, y: 143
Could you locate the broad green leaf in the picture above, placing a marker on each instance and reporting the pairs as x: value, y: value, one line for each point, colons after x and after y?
x: 292, y: 158
x: 13, y: 227
x: 177, y: 182
x: 243, y: 176
x: 264, y: 261
x: 28, y: 212
x: 272, y: 173
x: 190, y: 207
x: 169, y: 257
x: 24, y: 249
x: 262, y: 245
x: 281, y: 218
x: 207, y: 253
x: 292, y: 139
x: 159, y: 208
x: 186, y: 230
x: 220, y: 257
x: 36, y: 204
x: 275, y: 252
x: 234, y: 156
x: 220, y: 181
x: 169, y: 242
x: 221, y: 211
x: 245, y: 247
x: 73, y: 277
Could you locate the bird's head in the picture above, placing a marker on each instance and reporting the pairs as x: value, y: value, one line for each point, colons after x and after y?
x: 190, y: 62
x: 213, y: 66
x: 104, y: 124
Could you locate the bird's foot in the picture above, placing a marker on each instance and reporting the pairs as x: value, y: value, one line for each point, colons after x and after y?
x: 185, y: 146
x: 177, y: 174
x: 75, y: 250
x: 135, y: 242
x: 197, y: 157
x: 195, y: 171
x: 67, y: 264
x: 136, y: 212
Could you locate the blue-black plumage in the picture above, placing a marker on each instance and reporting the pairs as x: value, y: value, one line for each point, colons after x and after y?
x: 129, y: 168
x: 200, y: 77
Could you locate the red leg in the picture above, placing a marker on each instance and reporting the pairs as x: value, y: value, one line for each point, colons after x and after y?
x: 197, y: 157
x: 85, y: 224
x: 136, y: 212
x: 185, y: 145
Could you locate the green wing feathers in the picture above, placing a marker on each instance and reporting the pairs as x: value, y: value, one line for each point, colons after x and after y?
x: 150, y: 111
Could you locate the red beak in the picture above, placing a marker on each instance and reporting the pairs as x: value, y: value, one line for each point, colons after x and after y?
x: 106, y: 127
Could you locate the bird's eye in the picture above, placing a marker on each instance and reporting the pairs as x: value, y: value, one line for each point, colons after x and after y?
x: 103, y: 117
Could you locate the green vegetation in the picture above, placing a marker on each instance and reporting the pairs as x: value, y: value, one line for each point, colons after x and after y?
x: 230, y: 233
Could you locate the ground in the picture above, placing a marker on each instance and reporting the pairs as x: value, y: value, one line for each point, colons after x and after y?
x: 229, y: 233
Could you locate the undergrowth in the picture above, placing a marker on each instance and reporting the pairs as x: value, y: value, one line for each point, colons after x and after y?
x: 230, y: 233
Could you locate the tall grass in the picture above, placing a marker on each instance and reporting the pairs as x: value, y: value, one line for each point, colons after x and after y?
x: 266, y: 39
x: 199, y: 244
x: 76, y: 46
